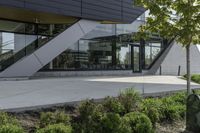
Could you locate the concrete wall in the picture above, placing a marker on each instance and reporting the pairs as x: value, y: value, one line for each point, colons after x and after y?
x: 176, y: 57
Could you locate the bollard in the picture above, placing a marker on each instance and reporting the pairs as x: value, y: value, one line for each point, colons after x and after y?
x: 160, y: 70
x: 179, y: 70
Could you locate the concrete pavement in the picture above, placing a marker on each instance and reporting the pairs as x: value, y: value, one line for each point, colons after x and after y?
x: 39, y: 92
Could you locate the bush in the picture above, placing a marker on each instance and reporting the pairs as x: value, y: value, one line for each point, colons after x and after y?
x: 130, y: 99
x: 112, y: 105
x: 151, y: 107
x: 112, y: 123
x: 56, y: 128
x: 9, y: 128
x: 89, y: 119
x: 6, y: 119
x: 138, y: 122
x: 54, y: 118
x: 172, y: 110
x: 196, y: 78
x: 179, y: 98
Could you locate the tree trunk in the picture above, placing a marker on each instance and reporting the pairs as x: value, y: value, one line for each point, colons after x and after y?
x: 188, y: 70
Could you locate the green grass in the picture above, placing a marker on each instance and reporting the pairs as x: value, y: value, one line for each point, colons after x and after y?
x: 194, y: 77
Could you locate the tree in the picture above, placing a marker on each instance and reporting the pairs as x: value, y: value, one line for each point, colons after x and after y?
x: 174, y: 19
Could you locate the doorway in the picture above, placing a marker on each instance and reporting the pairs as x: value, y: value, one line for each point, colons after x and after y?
x: 135, y: 58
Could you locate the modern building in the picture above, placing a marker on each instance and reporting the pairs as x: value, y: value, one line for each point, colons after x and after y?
x: 82, y: 37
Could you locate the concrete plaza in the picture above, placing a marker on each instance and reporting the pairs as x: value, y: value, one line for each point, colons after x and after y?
x: 40, y: 92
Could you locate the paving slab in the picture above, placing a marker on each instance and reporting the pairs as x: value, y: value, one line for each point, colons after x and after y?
x: 40, y: 92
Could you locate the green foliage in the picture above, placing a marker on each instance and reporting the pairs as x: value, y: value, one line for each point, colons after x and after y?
x: 112, y: 123
x: 152, y: 108
x: 54, y: 118
x: 56, y: 128
x: 9, y: 128
x: 89, y: 119
x: 100, y: 118
x: 196, y: 78
x: 113, y: 105
x: 179, y: 98
x: 177, y: 19
x: 6, y: 119
x: 138, y: 122
x: 130, y: 99
x: 172, y: 110
x: 169, y: 108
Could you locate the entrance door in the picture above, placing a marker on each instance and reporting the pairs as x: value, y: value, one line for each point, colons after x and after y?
x: 135, y: 50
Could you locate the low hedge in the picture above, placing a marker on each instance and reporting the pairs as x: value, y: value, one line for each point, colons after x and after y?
x: 49, y: 118
x: 9, y: 128
x: 194, y: 78
x: 139, y: 122
x: 55, y: 128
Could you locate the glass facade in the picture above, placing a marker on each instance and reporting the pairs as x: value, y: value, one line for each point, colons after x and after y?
x: 108, y: 47
x: 152, y: 49
x: 94, y: 55
x: 19, y: 39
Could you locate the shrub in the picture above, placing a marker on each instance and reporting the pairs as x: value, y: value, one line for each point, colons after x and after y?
x: 130, y: 99
x: 56, y: 128
x: 172, y: 110
x: 138, y: 122
x: 89, y: 119
x: 9, y: 128
x: 6, y: 119
x: 112, y: 105
x: 151, y: 107
x: 54, y: 118
x: 179, y: 98
x: 196, y: 78
x: 112, y: 123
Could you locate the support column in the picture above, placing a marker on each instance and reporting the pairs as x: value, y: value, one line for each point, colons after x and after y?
x: 142, y: 53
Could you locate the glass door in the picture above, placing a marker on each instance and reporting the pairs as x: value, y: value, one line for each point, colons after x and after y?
x: 135, y: 50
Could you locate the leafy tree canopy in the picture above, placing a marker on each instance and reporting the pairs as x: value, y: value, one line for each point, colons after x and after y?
x: 179, y: 19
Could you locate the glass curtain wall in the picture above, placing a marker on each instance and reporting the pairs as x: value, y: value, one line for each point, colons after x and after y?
x: 94, y: 55
x: 152, y: 49
x: 19, y: 39
x: 108, y: 47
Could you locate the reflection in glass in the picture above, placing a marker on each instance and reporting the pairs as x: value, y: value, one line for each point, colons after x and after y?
x: 123, y: 56
x: 22, y: 39
x: 152, y: 49
x: 136, y: 58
